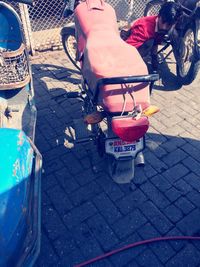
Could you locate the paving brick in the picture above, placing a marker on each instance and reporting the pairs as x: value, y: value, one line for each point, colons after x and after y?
x: 147, y: 231
x: 102, y: 232
x: 184, y: 205
x: 157, y: 219
x: 79, y: 214
x: 52, y: 223
x: 64, y: 245
x: 128, y: 255
x: 176, y: 244
x: 189, y: 225
x: 129, y: 224
x: 66, y: 180
x: 60, y: 200
x: 131, y: 201
x: 193, y: 180
x: 106, y: 207
x: 72, y: 164
x: 189, y: 256
x: 55, y: 152
x: 155, y: 195
x: 183, y: 187
x: 192, y: 165
x: 155, y: 162
x: 85, y: 177
x: 194, y: 197
x: 48, y: 181
x: 71, y: 259
x: 85, y: 193
x: 142, y: 174
x: 174, y: 157
x: 108, y: 185
x: 173, y: 143
x: 47, y: 257
x: 52, y: 166
x: 147, y: 258
x: 86, y: 241
x: 173, y: 213
x: 161, y: 183
x: 175, y: 173
x: 173, y: 194
x: 191, y: 150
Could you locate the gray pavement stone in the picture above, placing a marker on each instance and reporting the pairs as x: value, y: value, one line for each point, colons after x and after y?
x: 156, y: 217
x: 147, y: 258
x: 102, y: 232
x: 155, y: 195
x: 173, y: 213
x: 174, y: 157
x: 184, y: 205
x: 107, y: 208
x: 79, y: 214
x: 131, y: 201
x: 193, y: 180
x: 129, y: 224
x: 175, y: 173
x: 161, y: 183
x: 60, y: 200
x: 192, y: 165
x: 66, y: 180
x: 187, y: 257
x: 189, y: 225
x: 85, y: 193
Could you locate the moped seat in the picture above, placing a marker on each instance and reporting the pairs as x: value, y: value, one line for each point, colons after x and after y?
x: 105, y: 54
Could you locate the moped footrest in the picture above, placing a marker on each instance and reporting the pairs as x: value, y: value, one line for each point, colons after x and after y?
x: 82, y: 133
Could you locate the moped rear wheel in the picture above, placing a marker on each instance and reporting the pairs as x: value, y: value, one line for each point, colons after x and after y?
x: 152, y: 8
x: 121, y: 171
x: 70, y: 46
x: 187, y: 61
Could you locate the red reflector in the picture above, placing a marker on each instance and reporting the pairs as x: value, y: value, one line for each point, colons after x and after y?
x: 130, y: 129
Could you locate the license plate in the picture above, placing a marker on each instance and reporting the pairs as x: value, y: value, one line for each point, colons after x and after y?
x: 120, y: 148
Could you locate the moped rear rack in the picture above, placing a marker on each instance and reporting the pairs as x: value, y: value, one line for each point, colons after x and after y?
x: 151, y: 78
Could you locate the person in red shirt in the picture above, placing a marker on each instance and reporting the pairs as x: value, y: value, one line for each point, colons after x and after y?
x: 147, y: 33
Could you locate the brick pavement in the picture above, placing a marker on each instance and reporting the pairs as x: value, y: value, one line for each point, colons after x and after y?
x: 84, y: 213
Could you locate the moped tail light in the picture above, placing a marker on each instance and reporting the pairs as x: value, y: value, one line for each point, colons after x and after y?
x: 130, y: 129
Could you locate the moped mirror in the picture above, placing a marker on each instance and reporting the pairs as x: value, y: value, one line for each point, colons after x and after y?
x: 27, y: 2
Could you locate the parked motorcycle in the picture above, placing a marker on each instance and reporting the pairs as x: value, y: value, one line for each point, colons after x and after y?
x: 115, y: 90
x: 20, y: 161
x: 184, y: 39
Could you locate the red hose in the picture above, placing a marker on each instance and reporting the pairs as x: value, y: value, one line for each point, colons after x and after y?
x: 144, y: 242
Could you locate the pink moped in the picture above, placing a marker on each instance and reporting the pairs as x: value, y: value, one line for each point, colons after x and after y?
x: 115, y: 89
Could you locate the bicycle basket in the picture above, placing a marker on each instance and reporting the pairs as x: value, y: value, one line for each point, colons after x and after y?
x: 14, y: 71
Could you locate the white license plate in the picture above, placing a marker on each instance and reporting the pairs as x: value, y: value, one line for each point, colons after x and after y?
x: 120, y: 148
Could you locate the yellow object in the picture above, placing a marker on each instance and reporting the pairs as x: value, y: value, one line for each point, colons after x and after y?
x: 150, y: 110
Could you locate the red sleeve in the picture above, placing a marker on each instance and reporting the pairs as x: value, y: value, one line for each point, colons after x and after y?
x: 138, y: 34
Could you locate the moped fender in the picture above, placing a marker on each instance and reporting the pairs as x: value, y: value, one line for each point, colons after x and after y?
x: 65, y: 29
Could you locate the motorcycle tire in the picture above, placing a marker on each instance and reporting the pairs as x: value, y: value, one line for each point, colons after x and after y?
x: 187, y: 65
x: 152, y: 8
x: 70, y: 46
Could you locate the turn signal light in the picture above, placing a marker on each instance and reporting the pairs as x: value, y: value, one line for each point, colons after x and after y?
x: 150, y: 111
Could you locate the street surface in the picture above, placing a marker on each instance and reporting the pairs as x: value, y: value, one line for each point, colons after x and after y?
x: 84, y: 213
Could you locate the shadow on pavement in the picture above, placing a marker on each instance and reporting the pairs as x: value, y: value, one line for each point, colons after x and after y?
x: 85, y: 214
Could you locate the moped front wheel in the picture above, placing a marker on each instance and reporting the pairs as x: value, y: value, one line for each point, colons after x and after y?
x: 70, y: 46
x: 152, y: 8
x: 187, y: 62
